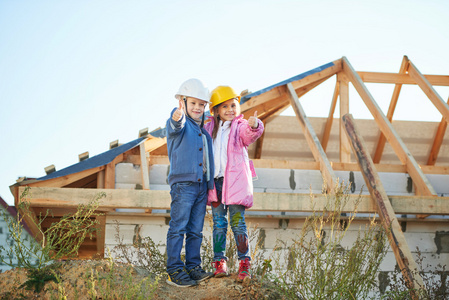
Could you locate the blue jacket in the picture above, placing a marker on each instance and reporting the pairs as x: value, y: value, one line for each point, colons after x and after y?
x: 185, y: 151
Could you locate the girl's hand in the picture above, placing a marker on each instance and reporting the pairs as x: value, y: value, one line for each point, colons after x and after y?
x: 177, y: 115
x: 252, y: 121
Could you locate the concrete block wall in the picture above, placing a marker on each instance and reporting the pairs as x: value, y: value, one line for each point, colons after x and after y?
x: 431, y: 237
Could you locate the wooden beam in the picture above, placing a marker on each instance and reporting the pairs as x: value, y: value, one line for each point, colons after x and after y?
x: 437, y: 141
x: 398, y: 243
x: 394, y: 100
x: 109, y: 174
x: 259, y: 144
x: 100, y: 179
x: 100, y: 235
x: 66, y: 179
x: 144, y: 169
x: 427, y: 88
x: 312, y: 139
x: 394, y: 78
x: 55, y: 198
x: 330, y: 118
x: 423, y: 185
x: 345, y: 148
x: 153, y: 143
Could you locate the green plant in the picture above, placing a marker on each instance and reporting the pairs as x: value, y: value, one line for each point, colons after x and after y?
x: 143, y: 253
x: 61, y: 239
x: 120, y: 286
x: 318, y: 267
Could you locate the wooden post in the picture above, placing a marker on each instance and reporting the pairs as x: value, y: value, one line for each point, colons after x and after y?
x: 391, y: 108
x: 330, y: 118
x: 312, y: 140
x: 386, y: 213
x: 144, y: 167
x: 345, y: 148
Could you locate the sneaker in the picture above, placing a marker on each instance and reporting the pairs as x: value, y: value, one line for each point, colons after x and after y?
x: 199, y: 274
x: 180, y: 278
x: 244, y: 270
x: 221, y: 269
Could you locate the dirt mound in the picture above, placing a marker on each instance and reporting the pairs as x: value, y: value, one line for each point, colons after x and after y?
x: 99, y: 279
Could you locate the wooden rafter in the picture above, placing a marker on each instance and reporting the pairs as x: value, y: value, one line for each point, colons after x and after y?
x: 66, y: 179
x: 395, y: 78
x: 345, y: 148
x: 330, y: 118
x: 394, y: 100
x: 312, y: 139
x: 422, y: 183
x: 398, y: 243
x: 427, y: 88
x: 437, y: 141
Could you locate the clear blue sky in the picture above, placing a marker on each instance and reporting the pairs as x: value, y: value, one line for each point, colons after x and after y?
x: 76, y: 75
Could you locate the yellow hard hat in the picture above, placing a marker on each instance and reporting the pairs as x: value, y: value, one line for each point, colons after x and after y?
x: 221, y: 94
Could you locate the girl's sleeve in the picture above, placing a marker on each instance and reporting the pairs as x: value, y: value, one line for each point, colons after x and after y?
x: 249, y: 135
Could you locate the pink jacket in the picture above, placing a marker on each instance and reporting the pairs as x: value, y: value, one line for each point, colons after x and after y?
x: 237, y: 184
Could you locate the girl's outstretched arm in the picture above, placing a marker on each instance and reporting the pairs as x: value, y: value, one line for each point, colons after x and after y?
x: 251, y: 130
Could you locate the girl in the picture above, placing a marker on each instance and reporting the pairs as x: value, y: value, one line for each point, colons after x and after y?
x: 231, y: 135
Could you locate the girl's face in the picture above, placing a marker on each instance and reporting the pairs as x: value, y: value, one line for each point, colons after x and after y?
x: 228, y: 110
x: 195, y: 107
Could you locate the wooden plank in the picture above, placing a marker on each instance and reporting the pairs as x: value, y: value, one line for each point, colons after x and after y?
x: 427, y: 88
x: 100, y: 235
x: 394, y: 100
x: 109, y: 174
x: 312, y: 139
x: 437, y: 141
x: 100, y: 179
x: 144, y: 169
x: 66, y: 179
x: 58, y: 198
x: 154, y: 143
x: 330, y: 118
x: 345, y: 148
x: 394, y: 78
x: 259, y: 144
x: 398, y: 243
x: 423, y: 185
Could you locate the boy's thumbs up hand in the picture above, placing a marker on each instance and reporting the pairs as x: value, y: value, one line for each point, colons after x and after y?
x: 252, y: 121
x: 177, y: 115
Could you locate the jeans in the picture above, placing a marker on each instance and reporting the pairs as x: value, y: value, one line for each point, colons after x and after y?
x: 238, y: 226
x: 188, y: 209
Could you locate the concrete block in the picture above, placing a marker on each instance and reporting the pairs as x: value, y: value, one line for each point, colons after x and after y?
x: 159, y: 174
x: 125, y: 186
x: 128, y: 173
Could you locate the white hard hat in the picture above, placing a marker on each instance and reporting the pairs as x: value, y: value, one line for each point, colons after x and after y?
x: 193, y: 88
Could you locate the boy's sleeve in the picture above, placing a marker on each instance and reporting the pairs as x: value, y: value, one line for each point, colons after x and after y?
x: 249, y: 135
x: 174, y: 127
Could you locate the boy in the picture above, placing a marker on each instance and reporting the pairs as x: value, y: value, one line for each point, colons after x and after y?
x: 191, y: 175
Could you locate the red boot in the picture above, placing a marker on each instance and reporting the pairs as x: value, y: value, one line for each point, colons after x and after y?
x: 244, y: 267
x: 221, y: 269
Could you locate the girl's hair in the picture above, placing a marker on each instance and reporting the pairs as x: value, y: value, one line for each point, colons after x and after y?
x: 216, y: 122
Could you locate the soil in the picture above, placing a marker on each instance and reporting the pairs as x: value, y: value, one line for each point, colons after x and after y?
x: 113, y: 282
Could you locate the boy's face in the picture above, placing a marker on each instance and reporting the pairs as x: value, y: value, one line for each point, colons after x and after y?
x: 228, y: 110
x: 195, y: 107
